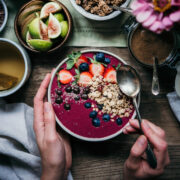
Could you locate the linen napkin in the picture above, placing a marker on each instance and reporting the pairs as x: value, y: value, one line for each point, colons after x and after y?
x: 85, y: 32
x: 19, y: 154
x: 174, y: 101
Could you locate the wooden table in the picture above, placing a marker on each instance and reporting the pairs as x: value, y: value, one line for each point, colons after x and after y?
x: 105, y: 160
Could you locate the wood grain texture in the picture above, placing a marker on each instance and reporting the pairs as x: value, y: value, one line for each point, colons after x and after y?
x: 105, y: 160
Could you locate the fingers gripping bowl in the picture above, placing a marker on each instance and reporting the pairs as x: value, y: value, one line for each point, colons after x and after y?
x: 85, y: 96
x: 43, y: 26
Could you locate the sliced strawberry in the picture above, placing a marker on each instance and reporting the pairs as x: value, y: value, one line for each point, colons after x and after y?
x: 110, y: 75
x: 81, y: 59
x: 85, y: 79
x: 96, y: 69
x: 65, y: 76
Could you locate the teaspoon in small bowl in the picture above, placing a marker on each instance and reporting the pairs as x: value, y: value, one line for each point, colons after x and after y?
x: 155, y: 81
x: 130, y: 84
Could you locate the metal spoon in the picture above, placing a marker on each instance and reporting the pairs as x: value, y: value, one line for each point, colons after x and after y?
x: 155, y: 81
x: 129, y: 83
x: 123, y: 9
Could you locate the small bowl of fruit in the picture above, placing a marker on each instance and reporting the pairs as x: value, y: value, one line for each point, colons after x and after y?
x: 43, y: 26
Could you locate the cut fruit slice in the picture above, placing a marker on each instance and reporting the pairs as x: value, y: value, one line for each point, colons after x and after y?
x: 54, y: 27
x: 44, y: 31
x: 85, y: 79
x: 40, y: 45
x: 27, y: 12
x: 34, y: 28
x: 96, y: 69
x: 28, y: 37
x: 110, y: 75
x: 58, y: 16
x: 35, y: 2
x: 65, y: 76
x: 48, y: 8
x: 64, y: 28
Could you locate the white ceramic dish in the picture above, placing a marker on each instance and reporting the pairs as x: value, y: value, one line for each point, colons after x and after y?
x: 26, y: 72
x: 5, y: 15
x: 65, y: 128
x: 96, y: 17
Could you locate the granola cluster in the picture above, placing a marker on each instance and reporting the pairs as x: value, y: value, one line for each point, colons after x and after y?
x: 114, y: 102
x: 99, y: 7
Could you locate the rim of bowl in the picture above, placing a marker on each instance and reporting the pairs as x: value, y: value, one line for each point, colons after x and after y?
x: 69, y: 131
x: 88, y: 15
x: 5, y: 15
x: 25, y: 59
x: 16, y: 28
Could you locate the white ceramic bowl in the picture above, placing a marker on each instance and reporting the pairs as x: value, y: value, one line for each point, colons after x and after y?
x: 5, y: 15
x: 96, y: 17
x: 27, y: 71
x: 65, y: 128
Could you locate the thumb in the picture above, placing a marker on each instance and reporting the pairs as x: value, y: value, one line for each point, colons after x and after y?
x: 137, y: 151
x: 49, y: 121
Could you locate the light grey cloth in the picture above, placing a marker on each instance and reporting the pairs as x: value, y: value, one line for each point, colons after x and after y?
x: 19, y: 154
x: 174, y: 101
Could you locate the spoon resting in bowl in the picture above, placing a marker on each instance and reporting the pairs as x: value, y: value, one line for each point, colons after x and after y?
x: 129, y: 83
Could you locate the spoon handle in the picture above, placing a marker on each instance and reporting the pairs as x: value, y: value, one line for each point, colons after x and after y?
x: 155, y: 80
x: 123, y: 9
x: 151, y: 158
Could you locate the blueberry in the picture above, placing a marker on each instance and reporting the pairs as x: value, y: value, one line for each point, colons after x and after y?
x: 96, y: 122
x: 119, y: 121
x: 58, y: 92
x: 84, y: 67
x: 77, y: 98
x: 58, y: 100
x: 100, y: 106
x: 76, y: 90
x: 86, y: 90
x: 93, y: 114
x: 68, y: 89
x: 107, y: 61
x: 87, y: 105
x: 67, y: 106
x: 84, y: 96
x: 106, y: 117
x: 100, y: 57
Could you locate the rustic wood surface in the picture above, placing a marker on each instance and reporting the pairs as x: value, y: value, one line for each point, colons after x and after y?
x: 105, y: 160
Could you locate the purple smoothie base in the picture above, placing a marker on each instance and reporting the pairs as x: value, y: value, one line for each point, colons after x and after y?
x: 77, y: 119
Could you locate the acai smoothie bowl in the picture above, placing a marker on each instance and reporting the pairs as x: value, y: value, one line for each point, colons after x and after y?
x: 86, y: 99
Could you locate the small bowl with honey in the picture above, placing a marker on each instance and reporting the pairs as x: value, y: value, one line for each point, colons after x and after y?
x: 15, y: 67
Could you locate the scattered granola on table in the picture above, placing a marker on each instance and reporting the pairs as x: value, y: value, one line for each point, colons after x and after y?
x: 99, y: 7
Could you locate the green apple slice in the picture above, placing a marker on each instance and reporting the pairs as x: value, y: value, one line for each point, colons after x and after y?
x: 64, y: 28
x: 28, y: 37
x: 48, y: 8
x: 54, y: 27
x: 34, y: 28
x: 40, y: 45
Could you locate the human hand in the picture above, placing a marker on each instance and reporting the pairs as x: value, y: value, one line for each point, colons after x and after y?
x: 136, y: 166
x: 54, y: 148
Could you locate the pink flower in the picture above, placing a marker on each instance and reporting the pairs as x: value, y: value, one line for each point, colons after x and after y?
x: 157, y: 15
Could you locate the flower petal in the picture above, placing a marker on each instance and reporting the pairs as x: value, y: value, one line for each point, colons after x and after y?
x: 144, y: 15
x: 175, y: 16
x: 150, y: 20
x: 167, y: 23
x: 157, y: 27
x: 175, y: 2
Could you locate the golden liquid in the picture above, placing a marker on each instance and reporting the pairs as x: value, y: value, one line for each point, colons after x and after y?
x: 11, y: 61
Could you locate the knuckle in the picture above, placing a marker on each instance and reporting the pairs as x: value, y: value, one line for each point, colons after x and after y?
x: 162, y: 133
x: 129, y: 165
x: 163, y: 146
x: 51, y: 140
x: 134, y: 153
